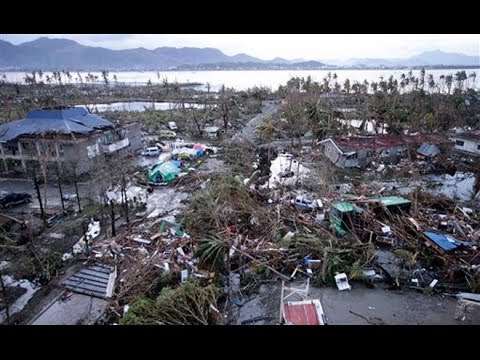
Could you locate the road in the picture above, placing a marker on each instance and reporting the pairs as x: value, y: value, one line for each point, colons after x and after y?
x: 248, y: 132
x: 53, y: 193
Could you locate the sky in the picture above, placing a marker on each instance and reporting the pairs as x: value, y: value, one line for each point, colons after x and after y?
x: 289, y: 46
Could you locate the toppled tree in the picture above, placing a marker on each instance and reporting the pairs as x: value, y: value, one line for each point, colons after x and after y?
x: 188, y: 304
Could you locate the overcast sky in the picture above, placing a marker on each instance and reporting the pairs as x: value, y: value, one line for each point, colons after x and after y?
x: 268, y: 46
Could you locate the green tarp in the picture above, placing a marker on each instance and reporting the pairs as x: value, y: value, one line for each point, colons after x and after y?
x: 166, y: 172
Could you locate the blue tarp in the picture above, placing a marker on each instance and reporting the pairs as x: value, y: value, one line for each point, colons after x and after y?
x: 446, y: 241
x: 56, y: 121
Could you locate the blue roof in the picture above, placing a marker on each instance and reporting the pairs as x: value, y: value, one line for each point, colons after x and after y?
x: 56, y: 121
x: 428, y: 150
x: 446, y: 241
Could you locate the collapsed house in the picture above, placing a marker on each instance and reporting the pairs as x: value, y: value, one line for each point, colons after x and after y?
x: 361, y: 151
x: 350, y: 215
x: 64, y: 135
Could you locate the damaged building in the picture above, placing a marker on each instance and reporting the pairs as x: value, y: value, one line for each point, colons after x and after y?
x: 468, y: 141
x: 65, y: 135
x: 361, y: 151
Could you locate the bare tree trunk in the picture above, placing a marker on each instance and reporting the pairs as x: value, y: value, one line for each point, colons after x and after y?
x: 39, y: 198
x: 112, y: 217
x: 45, y: 183
x: 59, y: 182
x: 124, y: 196
x: 75, y: 180
x: 5, y: 298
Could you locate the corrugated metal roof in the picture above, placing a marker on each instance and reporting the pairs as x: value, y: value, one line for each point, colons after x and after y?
x: 308, y: 312
x: 54, y: 121
x: 392, y: 200
x: 428, y: 150
x: 96, y: 280
x: 446, y: 241
x: 468, y: 135
x: 344, y: 206
x: 354, y: 143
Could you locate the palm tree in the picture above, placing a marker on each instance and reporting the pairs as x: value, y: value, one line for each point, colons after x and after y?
x: 448, y: 82
x: 346, y: 86
x: 473, y: 75
x: 431, y: 83
x: 266, y: 131
x: 442, y: 80
x: 422, y: 78
x: 105, y: 77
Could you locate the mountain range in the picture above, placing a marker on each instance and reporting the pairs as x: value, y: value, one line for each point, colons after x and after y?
x: 63, y: 54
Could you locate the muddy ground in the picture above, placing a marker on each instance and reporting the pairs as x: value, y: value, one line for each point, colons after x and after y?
x: 359, y: 306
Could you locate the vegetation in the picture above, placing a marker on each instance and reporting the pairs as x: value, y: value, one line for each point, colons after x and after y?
x: 188, y: 304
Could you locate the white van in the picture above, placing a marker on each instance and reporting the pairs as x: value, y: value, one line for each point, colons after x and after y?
x: 151, y: 151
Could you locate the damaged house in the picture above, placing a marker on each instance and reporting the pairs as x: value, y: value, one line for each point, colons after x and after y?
x: 65, y: 135
x: 361, y: 151
x: 468, y: 141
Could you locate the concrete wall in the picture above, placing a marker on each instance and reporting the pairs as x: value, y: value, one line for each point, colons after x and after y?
x: 332, y: 153
x: 135, y: 136
x: 363, y: 157
x: 75, y: 152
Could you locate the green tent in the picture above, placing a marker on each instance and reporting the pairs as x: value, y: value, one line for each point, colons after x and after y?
x: 166, y: 171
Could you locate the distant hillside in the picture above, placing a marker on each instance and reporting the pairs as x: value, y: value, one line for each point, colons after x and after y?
x: 428, y: 58
x: 62, y: 54
x: 55, y: 54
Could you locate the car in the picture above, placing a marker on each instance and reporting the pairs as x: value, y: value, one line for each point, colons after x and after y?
x: 69, y: 197
x: 172, y: 125
x: 151, y: 151
x: 302, y: 203
x: 13, y: 199
x: 168, y: 134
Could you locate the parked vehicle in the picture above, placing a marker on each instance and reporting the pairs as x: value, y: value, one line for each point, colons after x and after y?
x: 307, y: 205
x: 172, y: 125
x: 13, y: 199
x: 151, y: 151
x: 69, y: 197
x: 167, y: 134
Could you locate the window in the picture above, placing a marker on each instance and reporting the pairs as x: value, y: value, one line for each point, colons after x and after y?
x: 459, y: 142
x: 478, y: 147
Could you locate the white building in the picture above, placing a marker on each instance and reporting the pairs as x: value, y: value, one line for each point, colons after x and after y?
x: 468, y: 142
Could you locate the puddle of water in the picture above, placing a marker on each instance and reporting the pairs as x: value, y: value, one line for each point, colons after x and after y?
x: 286, y: 164
x: 140, y: 106
x: 22, y: 301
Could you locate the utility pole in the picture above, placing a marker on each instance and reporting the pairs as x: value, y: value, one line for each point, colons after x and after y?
x: 112, y: 214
